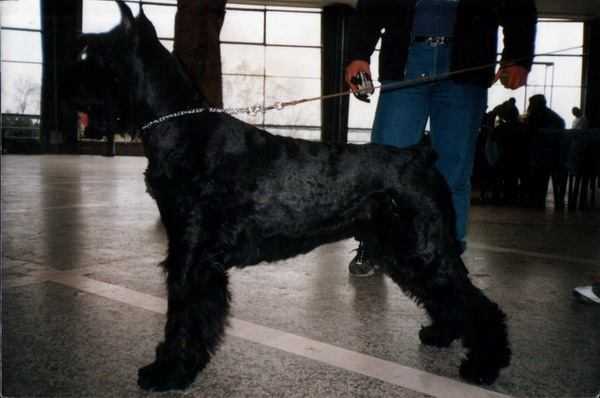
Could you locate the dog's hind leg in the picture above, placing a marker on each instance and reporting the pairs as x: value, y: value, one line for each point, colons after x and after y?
x: 433, y: 274
x: 459, y: 309
x: 198, y: 304
x: 485, y: 336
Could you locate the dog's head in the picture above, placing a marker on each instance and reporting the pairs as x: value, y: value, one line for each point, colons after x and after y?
x: 104, y: 79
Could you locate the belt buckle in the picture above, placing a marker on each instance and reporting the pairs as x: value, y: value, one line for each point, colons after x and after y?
x: 436, y: 41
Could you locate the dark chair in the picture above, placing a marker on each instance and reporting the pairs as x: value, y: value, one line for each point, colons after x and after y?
x: 583, y: 164
x: 548, y: 161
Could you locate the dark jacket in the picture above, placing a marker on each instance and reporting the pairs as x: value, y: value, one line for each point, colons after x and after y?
x: 475, y: 35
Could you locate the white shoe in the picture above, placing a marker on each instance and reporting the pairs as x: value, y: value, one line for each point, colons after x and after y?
x: 586, y: 293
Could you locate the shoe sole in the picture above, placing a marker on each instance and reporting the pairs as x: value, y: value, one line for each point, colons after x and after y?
x: 365, y: 275
x: 585, y: 294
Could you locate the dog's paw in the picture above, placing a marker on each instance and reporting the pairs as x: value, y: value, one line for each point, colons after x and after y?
x: 164, y: 376
x: 478, y: 372
x: 437, y: 336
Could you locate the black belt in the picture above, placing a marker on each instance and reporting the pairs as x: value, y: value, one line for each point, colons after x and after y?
x: 433, y: 40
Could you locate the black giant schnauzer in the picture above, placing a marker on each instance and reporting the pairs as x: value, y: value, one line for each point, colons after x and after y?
x: 230, y: 194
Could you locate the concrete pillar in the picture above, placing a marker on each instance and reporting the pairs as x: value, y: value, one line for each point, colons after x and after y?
x: 334, y: 112
x: 591, y: 75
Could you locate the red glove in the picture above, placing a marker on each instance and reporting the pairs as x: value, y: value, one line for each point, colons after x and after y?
x: 512, y: 76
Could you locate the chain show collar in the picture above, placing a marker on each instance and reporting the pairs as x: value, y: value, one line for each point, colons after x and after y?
x: 252, y: 110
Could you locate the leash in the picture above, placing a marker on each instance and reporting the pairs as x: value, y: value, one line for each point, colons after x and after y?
x: 253, y: 110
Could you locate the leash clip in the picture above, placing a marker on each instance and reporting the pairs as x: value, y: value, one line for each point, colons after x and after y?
x: 437, y: 41
x: 253, y: 110
x: 365, y: 86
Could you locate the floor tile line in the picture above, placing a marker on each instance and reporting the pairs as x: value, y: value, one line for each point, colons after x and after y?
x: 50, y: 208
x: 20, y: 281
x: 387, y: 371
x: 500, y: 249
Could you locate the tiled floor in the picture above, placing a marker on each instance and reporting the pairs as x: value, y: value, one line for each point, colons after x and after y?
x: 83, y: 301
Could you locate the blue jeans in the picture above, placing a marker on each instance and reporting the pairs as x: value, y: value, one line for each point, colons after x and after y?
x: 455, y: 111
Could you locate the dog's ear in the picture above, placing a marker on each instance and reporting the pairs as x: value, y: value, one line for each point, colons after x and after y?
x: 145, y: 25
x: 126, y: 16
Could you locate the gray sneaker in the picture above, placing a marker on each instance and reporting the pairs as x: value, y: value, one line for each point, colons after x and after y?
x: 360, y: 265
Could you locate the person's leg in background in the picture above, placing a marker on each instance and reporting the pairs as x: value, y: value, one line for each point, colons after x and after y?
x: 198, y: 25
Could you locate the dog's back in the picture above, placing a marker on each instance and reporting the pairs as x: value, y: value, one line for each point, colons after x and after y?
x: 281, y: 192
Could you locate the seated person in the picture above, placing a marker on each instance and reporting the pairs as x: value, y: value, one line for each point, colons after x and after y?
x: 539, y: 116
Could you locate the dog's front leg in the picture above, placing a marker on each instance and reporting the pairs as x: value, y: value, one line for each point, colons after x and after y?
x: 198, y: 304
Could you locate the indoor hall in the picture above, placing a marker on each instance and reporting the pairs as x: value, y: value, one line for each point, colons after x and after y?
x: 84, y: 299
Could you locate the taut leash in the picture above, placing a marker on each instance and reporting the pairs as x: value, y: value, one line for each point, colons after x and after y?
x: 279, y: 105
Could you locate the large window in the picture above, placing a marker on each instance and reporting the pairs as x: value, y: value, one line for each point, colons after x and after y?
x: 273, y: 54
x: 557, y: 76
x: 21, y: 69
x: 21, y: 56
x: 269, y: 54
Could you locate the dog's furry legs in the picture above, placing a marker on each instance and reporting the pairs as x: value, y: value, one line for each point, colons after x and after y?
x: 446, y: 324
x: 435, y: 276
x: 485, y: 337
x: 198, y: 305
x: 458, y: 309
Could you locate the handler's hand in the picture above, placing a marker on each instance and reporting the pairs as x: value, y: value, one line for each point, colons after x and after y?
x: 353, y: 69
x: 513, y: 76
